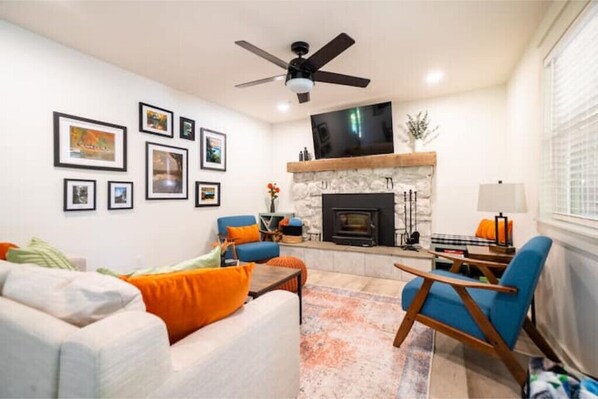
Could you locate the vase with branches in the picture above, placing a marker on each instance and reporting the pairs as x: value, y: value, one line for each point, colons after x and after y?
x: 419, y: 128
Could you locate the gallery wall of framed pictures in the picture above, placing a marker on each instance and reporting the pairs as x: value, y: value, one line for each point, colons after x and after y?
x: 85, y: 143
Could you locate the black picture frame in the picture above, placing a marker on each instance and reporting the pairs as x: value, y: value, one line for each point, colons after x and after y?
x: 75, y: 199
x: 89, y: 150
x: 116, y: 201
x: 167, y: 186
x: 184, y: 124
x: 207, y: 194
x: 213, y: 150
x: 167, y: 130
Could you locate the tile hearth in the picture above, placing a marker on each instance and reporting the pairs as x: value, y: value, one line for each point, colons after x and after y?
x: 361, y: 261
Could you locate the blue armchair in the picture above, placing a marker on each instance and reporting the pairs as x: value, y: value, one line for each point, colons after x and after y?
x: 249, y: 252
x: 487, y: 316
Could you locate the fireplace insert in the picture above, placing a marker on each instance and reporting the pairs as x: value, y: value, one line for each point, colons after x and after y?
x: 355, y: 226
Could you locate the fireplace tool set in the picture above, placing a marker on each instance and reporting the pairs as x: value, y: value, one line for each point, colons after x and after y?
x: 410, y: 237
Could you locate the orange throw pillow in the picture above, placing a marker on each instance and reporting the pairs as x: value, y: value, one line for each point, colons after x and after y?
x: 244, y: 234
x: 4, y: 247
x: 189, y: 300
x: 486, y: 229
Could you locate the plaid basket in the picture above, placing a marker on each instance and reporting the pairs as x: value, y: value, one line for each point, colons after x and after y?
x: 456, y: 239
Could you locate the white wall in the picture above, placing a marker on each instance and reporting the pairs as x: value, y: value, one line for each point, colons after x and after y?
x: 566, y: 297
x: 37, y: 77
x: 470, y: 150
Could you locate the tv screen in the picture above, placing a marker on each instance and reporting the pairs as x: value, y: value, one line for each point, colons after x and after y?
x: 353, y: 132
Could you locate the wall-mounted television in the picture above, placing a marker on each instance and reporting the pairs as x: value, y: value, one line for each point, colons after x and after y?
x: 352, y: 132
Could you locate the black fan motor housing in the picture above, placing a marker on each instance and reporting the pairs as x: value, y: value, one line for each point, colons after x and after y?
x: 300, y: 48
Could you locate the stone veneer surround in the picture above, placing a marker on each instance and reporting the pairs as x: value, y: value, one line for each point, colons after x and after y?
x: 308, y: 187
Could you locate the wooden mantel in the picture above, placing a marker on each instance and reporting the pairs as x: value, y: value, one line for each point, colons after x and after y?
x: 365, y: 162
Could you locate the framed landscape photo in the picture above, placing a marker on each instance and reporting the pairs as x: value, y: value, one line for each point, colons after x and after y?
x: 166, y: 172
x: 79, y: 195
x: 89, y: 144
x: 155, y: 120
x: 213, y: 150
x: 187, y: 128
x: 120, y: 195
x: 207, y: 194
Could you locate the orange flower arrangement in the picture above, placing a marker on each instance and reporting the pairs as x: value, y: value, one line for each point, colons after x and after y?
x: 273, y: 190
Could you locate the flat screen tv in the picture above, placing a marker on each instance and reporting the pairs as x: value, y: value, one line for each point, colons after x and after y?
x: 352, y: 132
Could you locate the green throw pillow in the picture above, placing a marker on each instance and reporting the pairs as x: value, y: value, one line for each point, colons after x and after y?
x: 39, y: 253
x: 209, y: 260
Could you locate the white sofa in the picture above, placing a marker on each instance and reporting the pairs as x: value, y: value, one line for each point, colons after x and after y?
x: 254, y: 353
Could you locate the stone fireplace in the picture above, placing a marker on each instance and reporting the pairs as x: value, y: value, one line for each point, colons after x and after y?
x: 309, y: 190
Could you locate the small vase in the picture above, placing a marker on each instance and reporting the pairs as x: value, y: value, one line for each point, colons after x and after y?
x: 272, y: 207
x: 418, y: 145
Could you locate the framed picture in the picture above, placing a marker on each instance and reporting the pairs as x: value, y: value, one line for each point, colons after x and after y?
x: 89, y: 144
x: 79, y: 195
x: 156, y: 120
x: 187, y: 128
x: 207, y: 194
x: 120, y: 195
x: 213, y: 150
x: 166, y: 172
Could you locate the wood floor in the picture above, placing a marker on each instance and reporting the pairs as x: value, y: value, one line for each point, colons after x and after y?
x: 457, y: 371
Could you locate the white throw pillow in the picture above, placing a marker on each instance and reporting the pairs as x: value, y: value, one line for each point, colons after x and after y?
x: 79, y: 298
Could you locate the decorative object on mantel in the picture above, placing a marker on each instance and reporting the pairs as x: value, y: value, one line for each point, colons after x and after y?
x: 273, y: 191
x: 501, y: 198
x: 419, y: 128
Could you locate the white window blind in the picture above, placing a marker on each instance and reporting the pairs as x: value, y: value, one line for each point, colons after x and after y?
x: 570, y: 145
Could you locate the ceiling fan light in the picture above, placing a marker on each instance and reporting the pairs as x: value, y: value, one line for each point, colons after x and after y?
x: 300, y: 85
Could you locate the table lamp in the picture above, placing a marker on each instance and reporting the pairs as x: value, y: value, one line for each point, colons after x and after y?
x: 502, y: 198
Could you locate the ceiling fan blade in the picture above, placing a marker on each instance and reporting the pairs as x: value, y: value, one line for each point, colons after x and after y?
x: 261, y: 53
x: 324, y: 55
x: 339, y: 79
x: 260, y: 81
x: 303, y: 97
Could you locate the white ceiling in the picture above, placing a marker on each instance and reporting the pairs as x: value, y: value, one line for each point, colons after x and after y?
x: 190, y: 45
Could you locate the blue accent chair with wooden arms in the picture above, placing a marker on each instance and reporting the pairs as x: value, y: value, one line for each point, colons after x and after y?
x: 487, y: 316
x: 248, y: 252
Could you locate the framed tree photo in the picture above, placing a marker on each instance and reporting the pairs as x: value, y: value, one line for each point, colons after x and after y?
x: 155, y: 120
x: 213, y: 150
x: 120, y: 195
x: 187, y: 128
x: 79, y: 195
x: 166, y: 172
x: 207, y: 194
x: 89, y: 144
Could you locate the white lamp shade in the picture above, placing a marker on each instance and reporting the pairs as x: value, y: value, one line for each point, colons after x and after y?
x: 502, y: 198
x: 300, y: 85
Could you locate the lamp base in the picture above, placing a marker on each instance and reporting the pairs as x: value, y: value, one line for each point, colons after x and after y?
x: 502, y: 249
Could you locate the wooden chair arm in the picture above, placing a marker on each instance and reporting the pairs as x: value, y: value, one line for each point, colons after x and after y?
x: 474, y: 262
x: 456, y: 282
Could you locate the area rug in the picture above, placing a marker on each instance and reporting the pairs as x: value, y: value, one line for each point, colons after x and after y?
x: 347, y: 352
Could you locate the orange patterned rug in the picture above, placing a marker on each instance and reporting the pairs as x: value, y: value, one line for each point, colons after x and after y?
x: 347, y: 352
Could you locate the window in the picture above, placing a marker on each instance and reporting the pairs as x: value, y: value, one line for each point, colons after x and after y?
x: 570, y: 143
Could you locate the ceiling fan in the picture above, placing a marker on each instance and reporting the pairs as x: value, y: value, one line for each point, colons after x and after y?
x: 303, y: 72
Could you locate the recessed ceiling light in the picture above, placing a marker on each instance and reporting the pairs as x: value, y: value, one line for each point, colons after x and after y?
x: 434, y: 77
x: 283, y: 107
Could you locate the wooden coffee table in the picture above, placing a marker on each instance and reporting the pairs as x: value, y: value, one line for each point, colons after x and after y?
x: 266, y: 278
